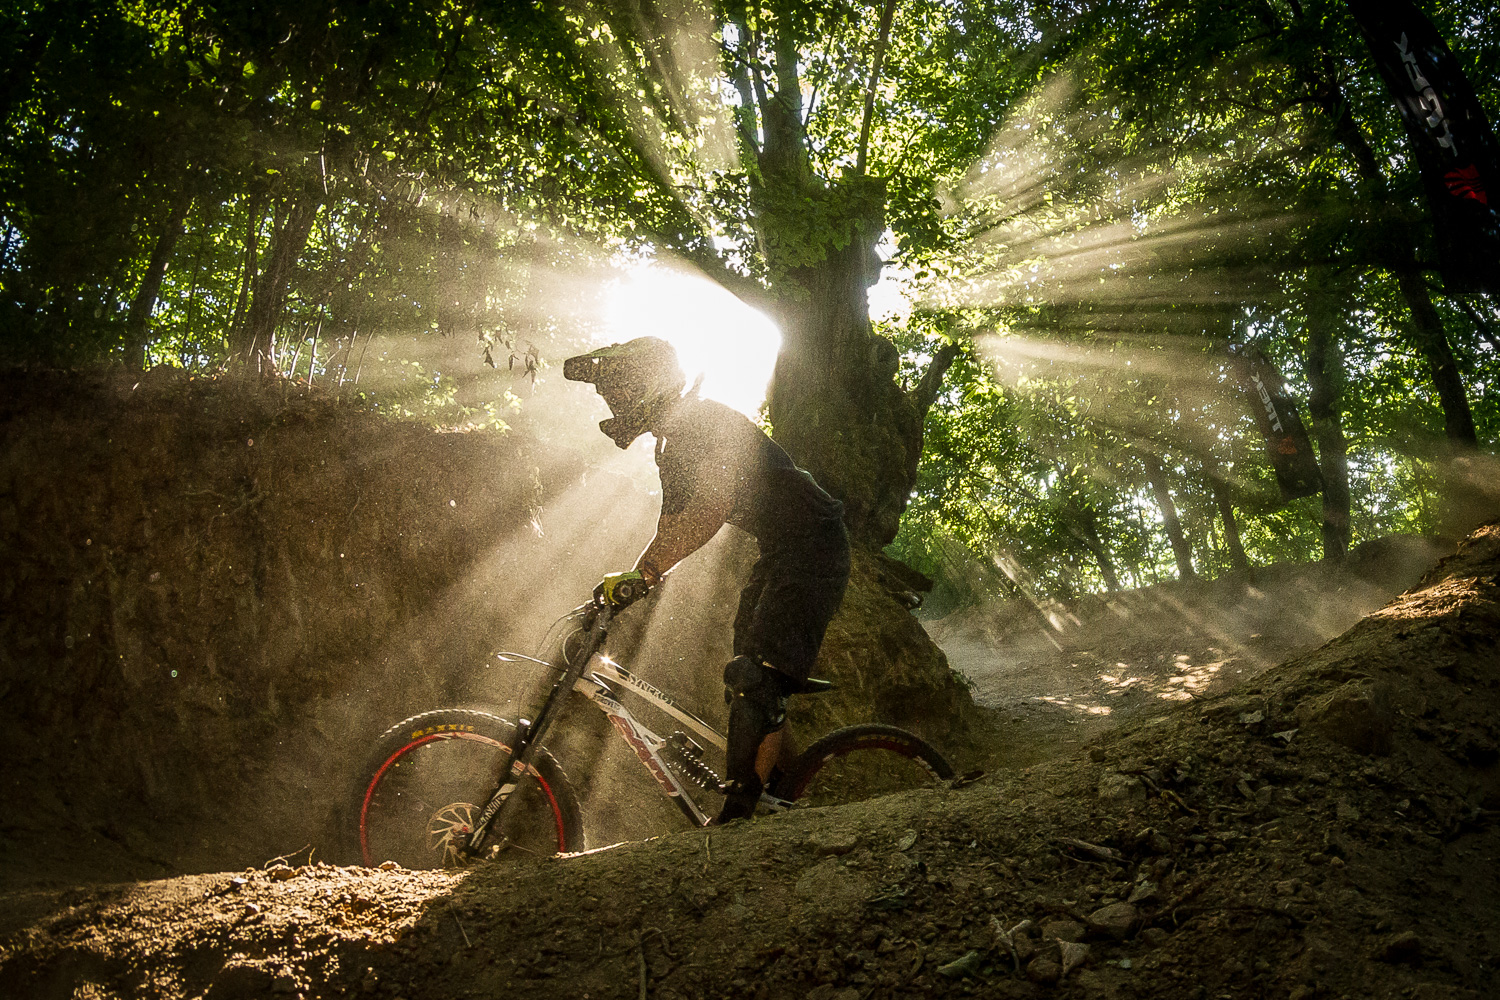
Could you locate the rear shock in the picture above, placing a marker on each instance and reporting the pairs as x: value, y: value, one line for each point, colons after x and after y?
x: 689, y: 760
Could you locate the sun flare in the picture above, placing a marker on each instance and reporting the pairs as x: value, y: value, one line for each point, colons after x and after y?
x: 716, y: 335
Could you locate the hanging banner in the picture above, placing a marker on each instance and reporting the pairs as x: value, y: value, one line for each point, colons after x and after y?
x: 1451, y: 139
x: 1276, y: 414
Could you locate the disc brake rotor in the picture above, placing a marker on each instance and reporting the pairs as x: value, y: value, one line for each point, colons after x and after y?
x: 449, y: 827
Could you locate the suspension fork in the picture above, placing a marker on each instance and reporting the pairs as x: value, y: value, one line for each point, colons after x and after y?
x: 529, y: 735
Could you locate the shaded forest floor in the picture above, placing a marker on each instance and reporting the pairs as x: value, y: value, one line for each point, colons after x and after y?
x: 1259, y: 813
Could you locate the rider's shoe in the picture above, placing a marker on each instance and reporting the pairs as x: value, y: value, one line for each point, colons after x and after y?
x: 739, y: 803
x: 732, y: 811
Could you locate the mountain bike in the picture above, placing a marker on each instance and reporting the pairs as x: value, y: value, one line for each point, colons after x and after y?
x: 449, y: 786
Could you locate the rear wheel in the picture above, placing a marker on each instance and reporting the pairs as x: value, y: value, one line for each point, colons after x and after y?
x: 431, y: 775
x: 861, y: 762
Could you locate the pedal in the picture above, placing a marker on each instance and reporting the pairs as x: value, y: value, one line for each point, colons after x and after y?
x: 774, y: 804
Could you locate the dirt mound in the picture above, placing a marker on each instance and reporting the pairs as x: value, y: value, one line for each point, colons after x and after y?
x: 217, y: 592
x: 1329, y: 831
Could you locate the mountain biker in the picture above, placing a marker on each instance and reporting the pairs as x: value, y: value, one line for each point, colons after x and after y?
x: 718, y: 468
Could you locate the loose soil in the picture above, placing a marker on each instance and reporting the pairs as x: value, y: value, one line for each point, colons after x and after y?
x: 1319, y: 824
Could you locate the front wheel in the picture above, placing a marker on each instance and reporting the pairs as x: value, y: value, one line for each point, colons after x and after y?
x: 860, y: 762
x: 431, y: 775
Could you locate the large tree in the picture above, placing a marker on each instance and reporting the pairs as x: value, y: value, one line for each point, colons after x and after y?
x: 841, y: 119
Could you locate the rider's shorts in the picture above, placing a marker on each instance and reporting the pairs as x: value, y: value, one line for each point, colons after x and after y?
x: 794, y: 590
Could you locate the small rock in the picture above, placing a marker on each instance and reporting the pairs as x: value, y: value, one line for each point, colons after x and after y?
x: 1096, y: 754
x: 251, y: 909
x: 1356, y: 714
x: 1405, y: 947
x: 389, y: 866
x: 834, y: 842
x: 1157, y: 842
x: 1122, y: 789
x: 1073, y: 955
x: 907, y: 840
x: 1062, y: 930
x: 1346, y: 812
x: 968, y: 965
x: 1044, y: 970
x: 1144, y: 894
x: 1116, y: 920
x: 280, y: 873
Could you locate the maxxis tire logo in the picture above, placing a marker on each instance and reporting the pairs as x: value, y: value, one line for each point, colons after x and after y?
x: 455, y: 727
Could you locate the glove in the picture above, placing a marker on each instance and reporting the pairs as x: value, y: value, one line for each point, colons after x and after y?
x: 620, y: 589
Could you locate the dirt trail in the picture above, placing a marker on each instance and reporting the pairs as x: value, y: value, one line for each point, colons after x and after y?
x: 1326, y: 831
x: 1061, y: 675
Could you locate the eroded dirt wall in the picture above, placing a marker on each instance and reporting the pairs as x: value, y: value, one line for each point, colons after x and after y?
x: 203, y: 581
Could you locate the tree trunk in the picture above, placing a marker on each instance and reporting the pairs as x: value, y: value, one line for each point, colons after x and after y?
x: 1432, y: 340
x: 833, y: 401
x: 1183, y: 552
x: 1325, y: 373
x: 1224, y: 501
x: 138, y: 320
x: 269, y: 295
x: 1088, y: 527
x: 1237, y: 557
x: 1427, y: 330
x: 247, y: 272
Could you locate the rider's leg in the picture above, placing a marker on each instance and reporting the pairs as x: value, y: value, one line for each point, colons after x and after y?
x: 784, y: 611
x: 756, y: 695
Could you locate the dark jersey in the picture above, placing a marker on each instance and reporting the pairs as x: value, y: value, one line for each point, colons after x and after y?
x: 707, y: 450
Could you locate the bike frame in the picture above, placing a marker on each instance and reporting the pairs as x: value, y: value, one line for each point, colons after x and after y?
x: 601, y: 687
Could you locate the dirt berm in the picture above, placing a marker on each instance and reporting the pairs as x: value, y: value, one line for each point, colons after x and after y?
x: 217, y: 592
x: 1326, y: 831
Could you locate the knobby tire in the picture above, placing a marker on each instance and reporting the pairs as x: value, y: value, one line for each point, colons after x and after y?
x: 431, y: 774
x: 860, y: 762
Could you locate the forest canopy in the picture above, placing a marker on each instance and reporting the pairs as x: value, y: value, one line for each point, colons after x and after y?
x: 1088, y: 210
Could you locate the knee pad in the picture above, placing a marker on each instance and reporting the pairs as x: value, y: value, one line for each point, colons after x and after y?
x: 756, y: 687
x: 757, y: 708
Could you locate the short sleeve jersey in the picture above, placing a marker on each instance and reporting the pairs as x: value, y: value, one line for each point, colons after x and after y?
x: 707, y: 450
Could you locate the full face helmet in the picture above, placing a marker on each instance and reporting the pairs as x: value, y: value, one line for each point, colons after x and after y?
x: 637, y: 379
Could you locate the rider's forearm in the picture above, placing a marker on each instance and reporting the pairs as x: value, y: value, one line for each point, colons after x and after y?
x: 677, y: 537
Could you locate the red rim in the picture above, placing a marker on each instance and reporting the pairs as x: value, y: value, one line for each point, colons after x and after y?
x: 364, y: 808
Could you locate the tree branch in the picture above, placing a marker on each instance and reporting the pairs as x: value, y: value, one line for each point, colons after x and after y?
x: 880, y: 43
x: 746, y: 115
x: 1485, y: 330
x: 925, y: 393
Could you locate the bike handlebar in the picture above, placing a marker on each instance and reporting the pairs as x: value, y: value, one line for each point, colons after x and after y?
x: 627, y: 592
